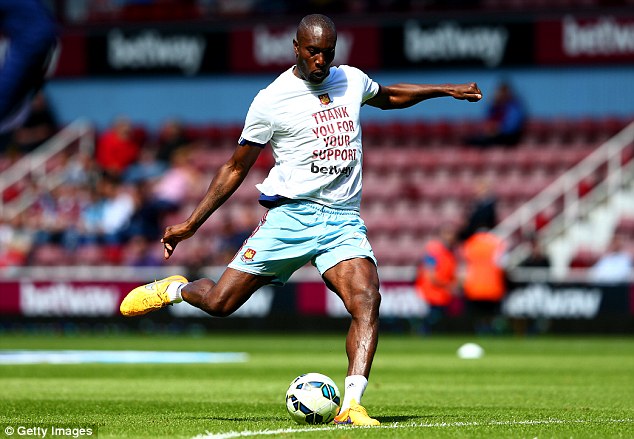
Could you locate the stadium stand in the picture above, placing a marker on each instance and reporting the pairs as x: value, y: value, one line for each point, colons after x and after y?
x: 428, y: 182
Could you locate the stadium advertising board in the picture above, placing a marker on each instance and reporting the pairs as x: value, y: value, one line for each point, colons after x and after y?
x: 63, y: 299
x: 451, y: 43
x: 571, y: 40
x: 270, y: 48
x: 600, y: 304
x: 148, y: 51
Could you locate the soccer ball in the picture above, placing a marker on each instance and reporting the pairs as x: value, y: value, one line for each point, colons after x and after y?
x: 313, y: 398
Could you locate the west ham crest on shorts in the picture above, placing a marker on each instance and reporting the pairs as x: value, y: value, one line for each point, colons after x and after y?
x: 248, y: 255
x: 324, y: 99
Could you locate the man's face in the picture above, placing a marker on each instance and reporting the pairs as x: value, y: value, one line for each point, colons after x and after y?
x: 315, y: 50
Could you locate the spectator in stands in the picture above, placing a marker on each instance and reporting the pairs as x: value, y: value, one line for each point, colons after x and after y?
x: 505, y: 120
x: 16, y: 241
x: 484, y: 283
x: 436, y: 278
x: 536, y: 258
x: 39, y: 126
x: 117, y: 148
x: 105, y: 218
x: 615, y: 266
x: 138, y: 253
x: 231, y: 239
x: 176, y: 185
x: 171, y: 138
x: 146, y: 168
x: 483, y: 211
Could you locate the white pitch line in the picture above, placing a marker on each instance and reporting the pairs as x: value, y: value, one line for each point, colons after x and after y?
x: 249, y: 433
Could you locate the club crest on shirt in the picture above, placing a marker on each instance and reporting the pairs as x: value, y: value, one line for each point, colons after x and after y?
x: 248, y: 255
x: 325, y: 99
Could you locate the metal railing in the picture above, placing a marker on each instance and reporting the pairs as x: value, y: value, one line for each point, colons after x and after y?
x: 607, y: 160
x: 34, y: 166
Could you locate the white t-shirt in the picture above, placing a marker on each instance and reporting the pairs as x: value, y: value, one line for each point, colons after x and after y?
x: 315, y: 135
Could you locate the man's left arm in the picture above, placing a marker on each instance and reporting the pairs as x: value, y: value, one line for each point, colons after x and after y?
x: 405, y: 95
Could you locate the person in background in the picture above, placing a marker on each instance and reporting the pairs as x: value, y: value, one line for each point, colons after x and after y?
x: 484, y: 282
x: 171, y: 138
x: 505, y: 120
x: 537, y: 258
x: 483, y: 210
x: 117, y: 148
x: 614, y: 266
x: 436, y: 278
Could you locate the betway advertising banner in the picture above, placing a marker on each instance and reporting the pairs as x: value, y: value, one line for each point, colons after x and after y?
x: 147, y: 51
x: 555, y: 301
x: 602, y: 40
x: 407, y: 44
x: 449, y: 43
x: 270, y: 48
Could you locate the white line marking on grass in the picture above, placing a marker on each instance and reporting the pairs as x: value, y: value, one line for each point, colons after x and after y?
x: 249, y: 433
x: 112, y: 357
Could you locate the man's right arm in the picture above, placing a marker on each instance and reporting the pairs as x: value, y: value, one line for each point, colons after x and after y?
x: 225, y: 182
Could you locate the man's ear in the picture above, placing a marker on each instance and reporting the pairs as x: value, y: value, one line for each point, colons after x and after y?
x: 296, y: 47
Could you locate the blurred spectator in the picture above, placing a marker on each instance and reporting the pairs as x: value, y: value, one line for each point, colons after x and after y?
x: 484, y: 284
x: 56, y: 212
x: 436, y: 278
x: 16, y: 241
x: 138, y: 253
x: 146, y: 168
x: 178, y: 184
x: 39, y: 126
x: 504, y: 122
x: 230, y: 240
x: 105, y: 218
x: 117, y: 148
x: 614, y: 266
x: 483, y: 211
x: 537, y: 258
x: 171, y: 137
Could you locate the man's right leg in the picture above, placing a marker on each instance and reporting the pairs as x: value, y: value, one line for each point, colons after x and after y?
x: 218, y: 299
x: 223, y: 298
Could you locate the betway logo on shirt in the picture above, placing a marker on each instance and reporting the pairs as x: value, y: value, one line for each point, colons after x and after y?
x: 63, y: 299
x: 149, y: 49
x: 450, y: 41
x: 603, y: 37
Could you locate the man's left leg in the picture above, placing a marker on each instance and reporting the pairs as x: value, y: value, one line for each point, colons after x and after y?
x: 356, y: 281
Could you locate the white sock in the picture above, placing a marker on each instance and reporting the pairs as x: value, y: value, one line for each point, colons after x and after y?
x: 174, y: 291
x: 355, y: 386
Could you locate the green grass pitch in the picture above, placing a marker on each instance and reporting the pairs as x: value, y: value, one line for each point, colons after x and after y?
x: 542, y: 387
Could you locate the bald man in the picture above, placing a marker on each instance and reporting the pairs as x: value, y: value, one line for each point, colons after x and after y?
x: 309, y: 116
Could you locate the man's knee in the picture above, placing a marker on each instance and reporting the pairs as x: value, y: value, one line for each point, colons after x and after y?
x: 206, y: 295
x: 365, y: 300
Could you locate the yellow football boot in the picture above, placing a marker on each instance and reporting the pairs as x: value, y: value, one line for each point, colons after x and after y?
x: 355, y: 415
x: 149, y: 297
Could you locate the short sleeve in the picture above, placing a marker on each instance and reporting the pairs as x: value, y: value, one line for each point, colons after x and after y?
x: 258, y: 125
x: 370, y: 87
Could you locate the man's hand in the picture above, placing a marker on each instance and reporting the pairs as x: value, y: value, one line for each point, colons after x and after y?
x: 470, y: 92
x: 173, y: 235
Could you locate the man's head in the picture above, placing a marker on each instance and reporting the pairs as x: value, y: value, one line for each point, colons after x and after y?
x: 314, y: 47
